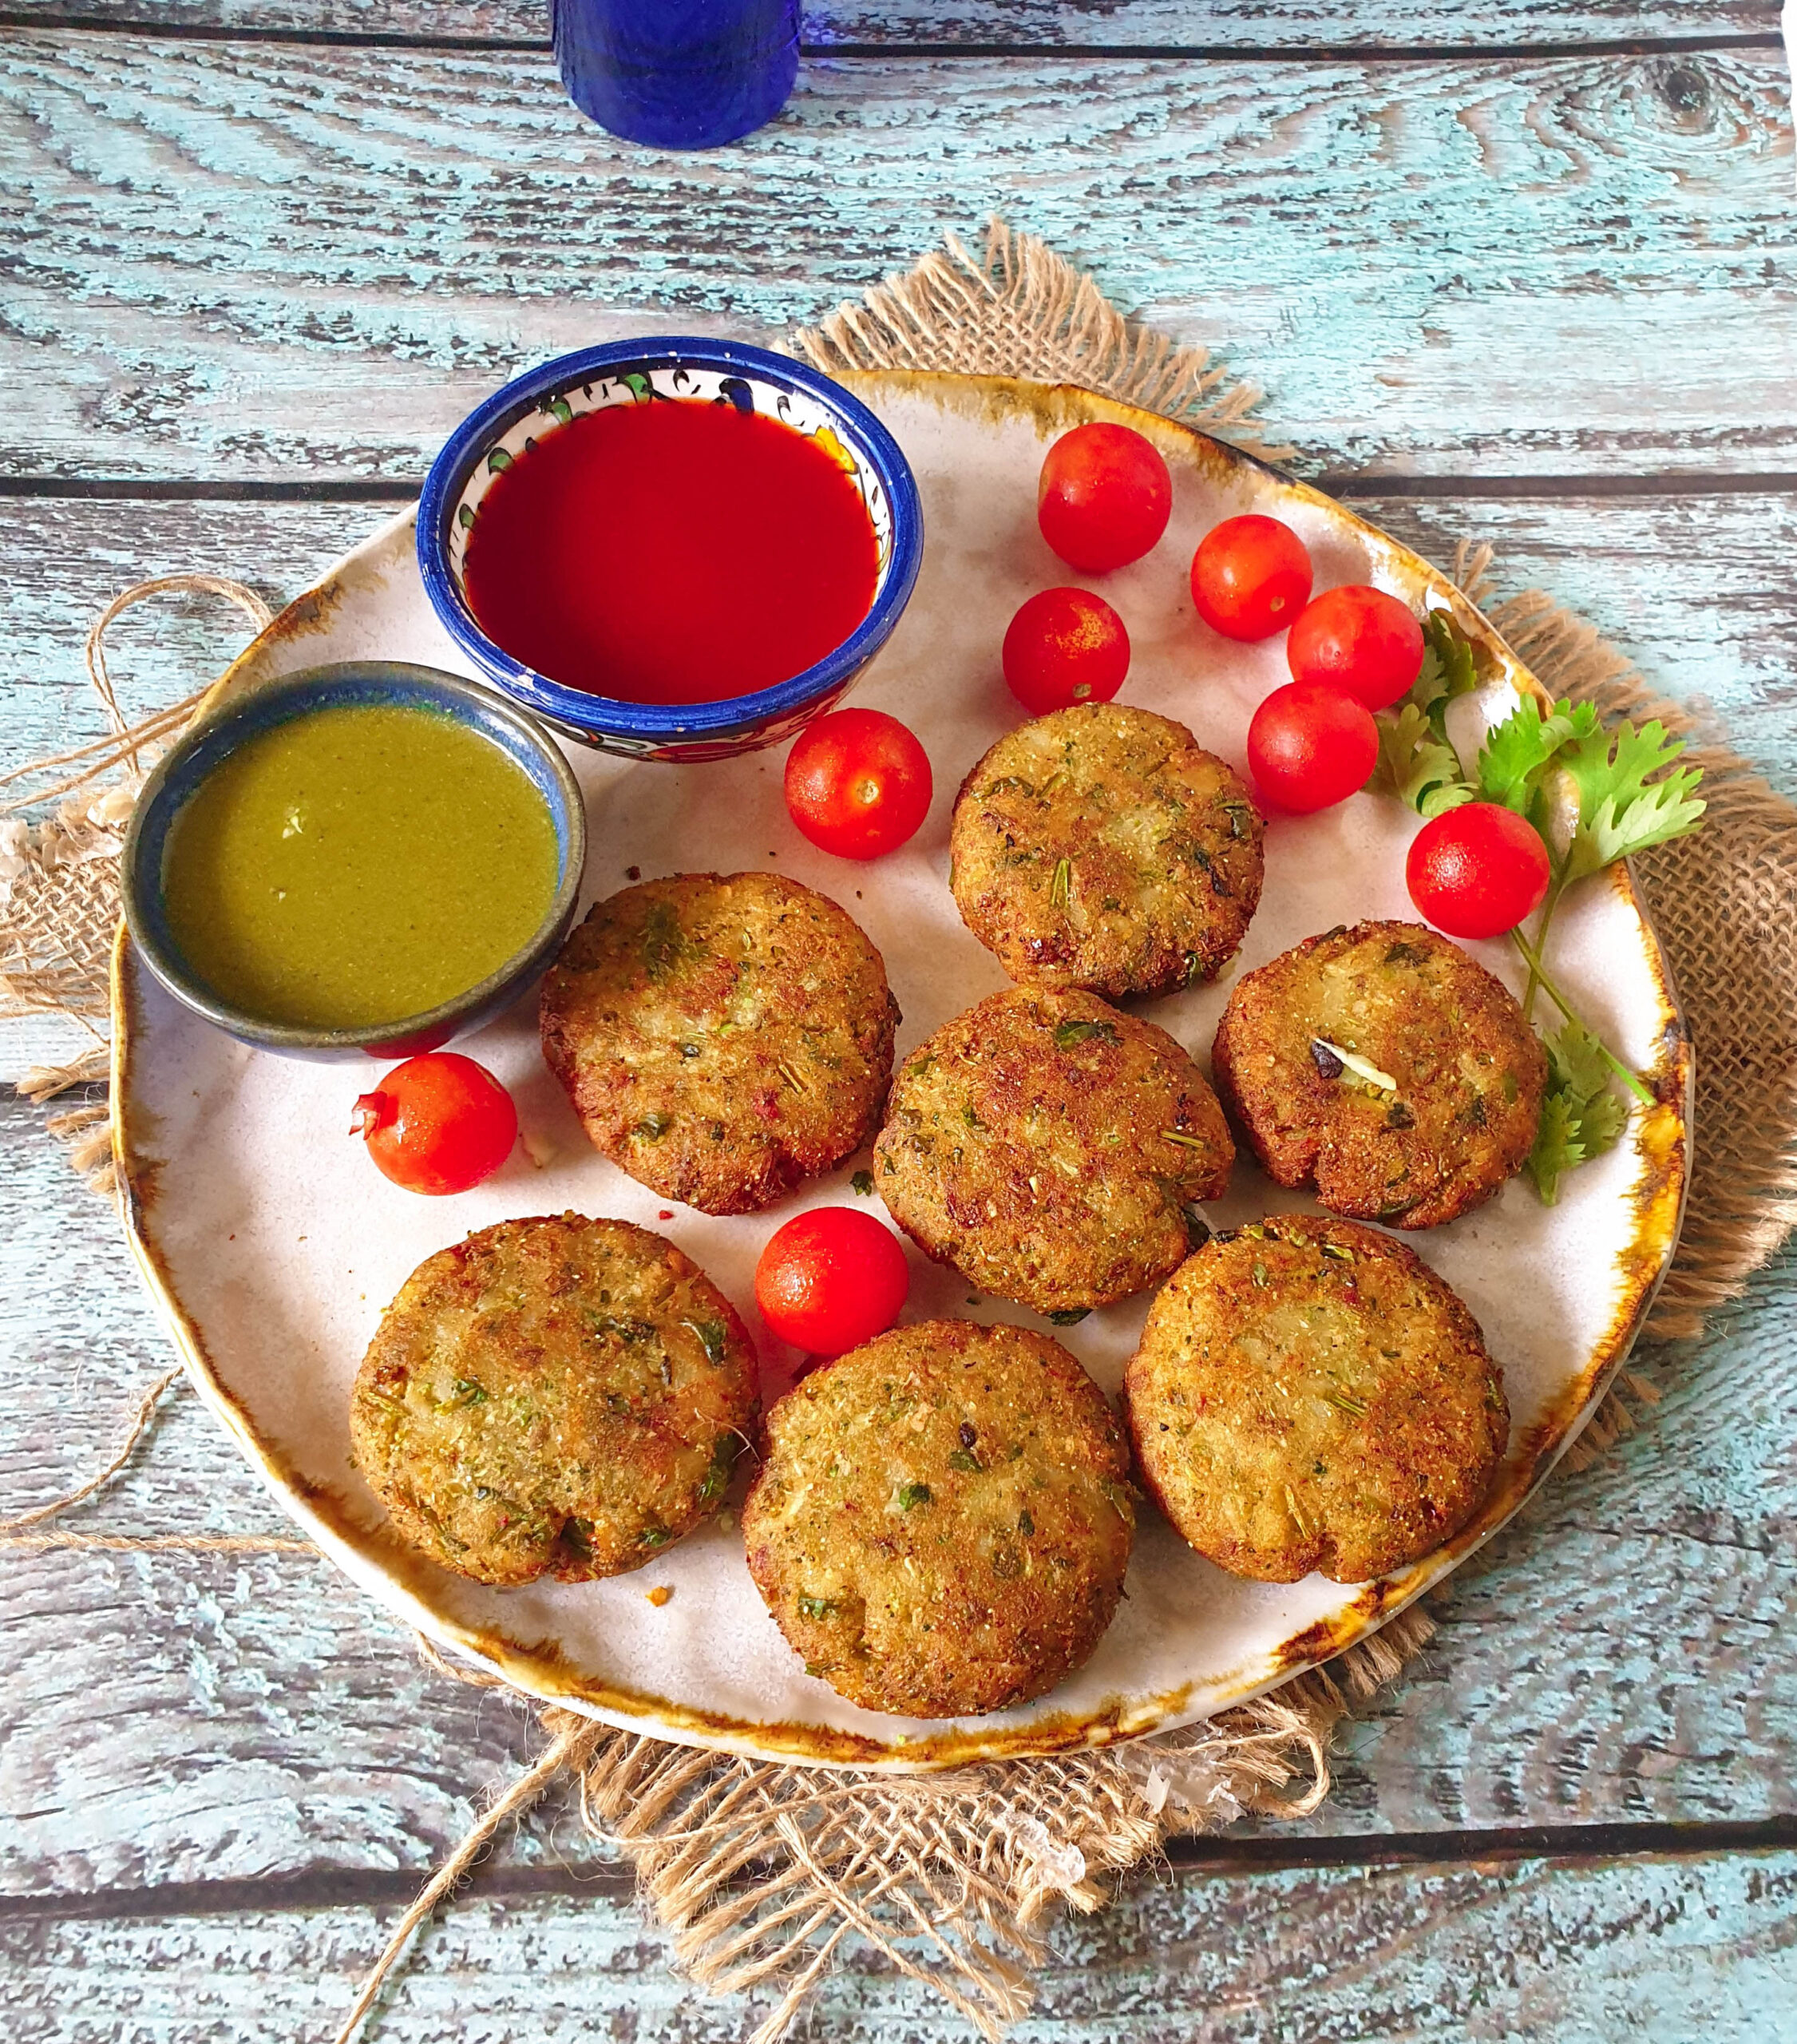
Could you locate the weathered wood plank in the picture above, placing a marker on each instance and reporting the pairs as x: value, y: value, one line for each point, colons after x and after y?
x: 1433, y: 264
x: 1663, y: 1950
x: 1025, y: 24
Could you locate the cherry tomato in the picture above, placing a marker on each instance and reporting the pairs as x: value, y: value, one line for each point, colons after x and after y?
x: 1478, y: 870
x: 1361, y: 640
x: 1065, y: 646
x: 1104, y: 498
x: 857, y: 783
x: 437, y: 1123
x: 1250, y: 576
x: 830, y: 1280
x: 1311, y: 744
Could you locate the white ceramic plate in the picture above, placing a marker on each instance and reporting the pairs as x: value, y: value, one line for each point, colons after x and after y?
x: 271, y: 1245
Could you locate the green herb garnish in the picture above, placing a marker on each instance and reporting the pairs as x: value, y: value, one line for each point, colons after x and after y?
x: 1067, y: 1034
x: 1581, y: 1117
x: 711, y: 1336
x: 1594, y: 795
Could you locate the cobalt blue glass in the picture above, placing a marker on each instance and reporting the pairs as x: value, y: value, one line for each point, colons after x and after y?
x: 681, y: 74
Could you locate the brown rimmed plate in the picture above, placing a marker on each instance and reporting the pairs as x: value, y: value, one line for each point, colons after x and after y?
x: 271, y: 1244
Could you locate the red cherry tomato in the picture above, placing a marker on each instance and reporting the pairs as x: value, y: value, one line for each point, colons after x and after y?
x: 830, y: 1280
x: 1478, y: 870
x: 1104, y: 498
x: 1063, y: 646
x: 1361, y: 640
x: 857, y: 783
x: 1250, y: 576
x: 1310, y: 745
x: 437, y: 1123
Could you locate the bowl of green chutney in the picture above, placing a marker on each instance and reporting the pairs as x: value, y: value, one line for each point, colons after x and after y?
x: 370, y: 859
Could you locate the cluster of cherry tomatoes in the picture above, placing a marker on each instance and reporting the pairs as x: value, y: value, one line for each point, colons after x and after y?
x: 858, y: 784
x: 1104, y: 500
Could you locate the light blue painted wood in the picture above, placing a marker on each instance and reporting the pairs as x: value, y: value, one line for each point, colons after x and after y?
x: 1113, y: 23
x: 1660, y: 1951
x: 254, y: 259
x: 240, y: 262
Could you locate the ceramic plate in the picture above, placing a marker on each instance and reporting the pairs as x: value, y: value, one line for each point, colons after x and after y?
x: 271, y: 1245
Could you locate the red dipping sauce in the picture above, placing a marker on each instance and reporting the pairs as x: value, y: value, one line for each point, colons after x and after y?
x: 672, y: 552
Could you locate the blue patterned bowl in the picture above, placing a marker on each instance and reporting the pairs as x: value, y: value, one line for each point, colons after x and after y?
x: 635, y: 373
x: 383, y: 683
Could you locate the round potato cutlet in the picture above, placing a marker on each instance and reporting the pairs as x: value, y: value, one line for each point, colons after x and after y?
x: 1309, y: 1395
x: 942, y: 1519
x: 559, y: 1394
x: 1386, y: 1067
x: 1052, y: 1149
x: 722, y: 1039
x: 1101, y: 847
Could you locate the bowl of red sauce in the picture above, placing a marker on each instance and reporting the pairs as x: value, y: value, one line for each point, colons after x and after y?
x: 674, y: 549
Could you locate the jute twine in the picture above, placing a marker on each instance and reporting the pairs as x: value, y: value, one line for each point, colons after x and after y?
x: 762, y: 1872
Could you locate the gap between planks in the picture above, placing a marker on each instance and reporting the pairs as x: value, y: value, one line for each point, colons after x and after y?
x: 399, y: 489
x: 1300, y: 52
x: 1572, y: 1844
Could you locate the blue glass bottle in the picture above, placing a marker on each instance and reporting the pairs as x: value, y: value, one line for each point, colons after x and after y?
x: 682, y: 74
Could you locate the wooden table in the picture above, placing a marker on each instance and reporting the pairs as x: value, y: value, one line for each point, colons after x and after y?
x: 1519, y: 271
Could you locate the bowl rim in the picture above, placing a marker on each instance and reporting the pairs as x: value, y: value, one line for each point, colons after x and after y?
x: 577, y: 709
x: 249, y: 713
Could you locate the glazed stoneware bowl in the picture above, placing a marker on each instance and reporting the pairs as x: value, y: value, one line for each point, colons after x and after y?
x: 386, y: 684
x: 642, y: 372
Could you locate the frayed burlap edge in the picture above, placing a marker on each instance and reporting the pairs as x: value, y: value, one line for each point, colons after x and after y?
x: 760, y: 1871
x: 1023, y: 311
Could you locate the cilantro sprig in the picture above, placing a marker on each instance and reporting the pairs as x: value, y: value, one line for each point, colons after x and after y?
x: 1581, y: 1117
x: 1595, y: 795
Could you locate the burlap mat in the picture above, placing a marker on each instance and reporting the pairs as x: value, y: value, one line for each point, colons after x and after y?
x: 762, y: 1872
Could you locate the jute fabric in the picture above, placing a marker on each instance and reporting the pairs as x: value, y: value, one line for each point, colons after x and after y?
x: 761, y: 1873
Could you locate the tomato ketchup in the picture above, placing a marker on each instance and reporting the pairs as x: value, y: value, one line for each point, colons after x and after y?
x: 673, y: 552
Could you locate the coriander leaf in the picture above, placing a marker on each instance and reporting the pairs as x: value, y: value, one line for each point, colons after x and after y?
x: 1576, y: 1065
x: 1517, y: 753
x: 1619, y: 810
x: 1557, y: 1149
x: 1447, y: 670
x: 1418, y: 767
x: 1582, y: 1117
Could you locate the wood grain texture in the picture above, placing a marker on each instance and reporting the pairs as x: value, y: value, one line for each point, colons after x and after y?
x: 1030, y: 24
x: 237, y: 260
x: 1660, y: 1951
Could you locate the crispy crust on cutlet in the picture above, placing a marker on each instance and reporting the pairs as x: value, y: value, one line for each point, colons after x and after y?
x: 1050, y: 1148
x: 722, y: 1039
x: 557, y: 1394
x: 943, y: 1519
x: 1470, y: 1074
x: 1308, y: 1394
x: 1102, y: 847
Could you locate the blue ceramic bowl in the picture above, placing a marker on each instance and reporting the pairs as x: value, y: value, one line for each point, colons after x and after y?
x: 635, y: 373
x: 388, y: 683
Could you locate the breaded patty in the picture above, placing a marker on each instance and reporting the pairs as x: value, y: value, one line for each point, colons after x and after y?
x: 722, y: 1039
x: 942, y: 1521
x: 1049, y: 1146
x: 1309, y: 1395
x: 1386, y: 1065
x: 558, y: 1394
x: 1102, y: 847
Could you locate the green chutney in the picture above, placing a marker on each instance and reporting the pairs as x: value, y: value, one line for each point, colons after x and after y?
x: 357, y: 865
